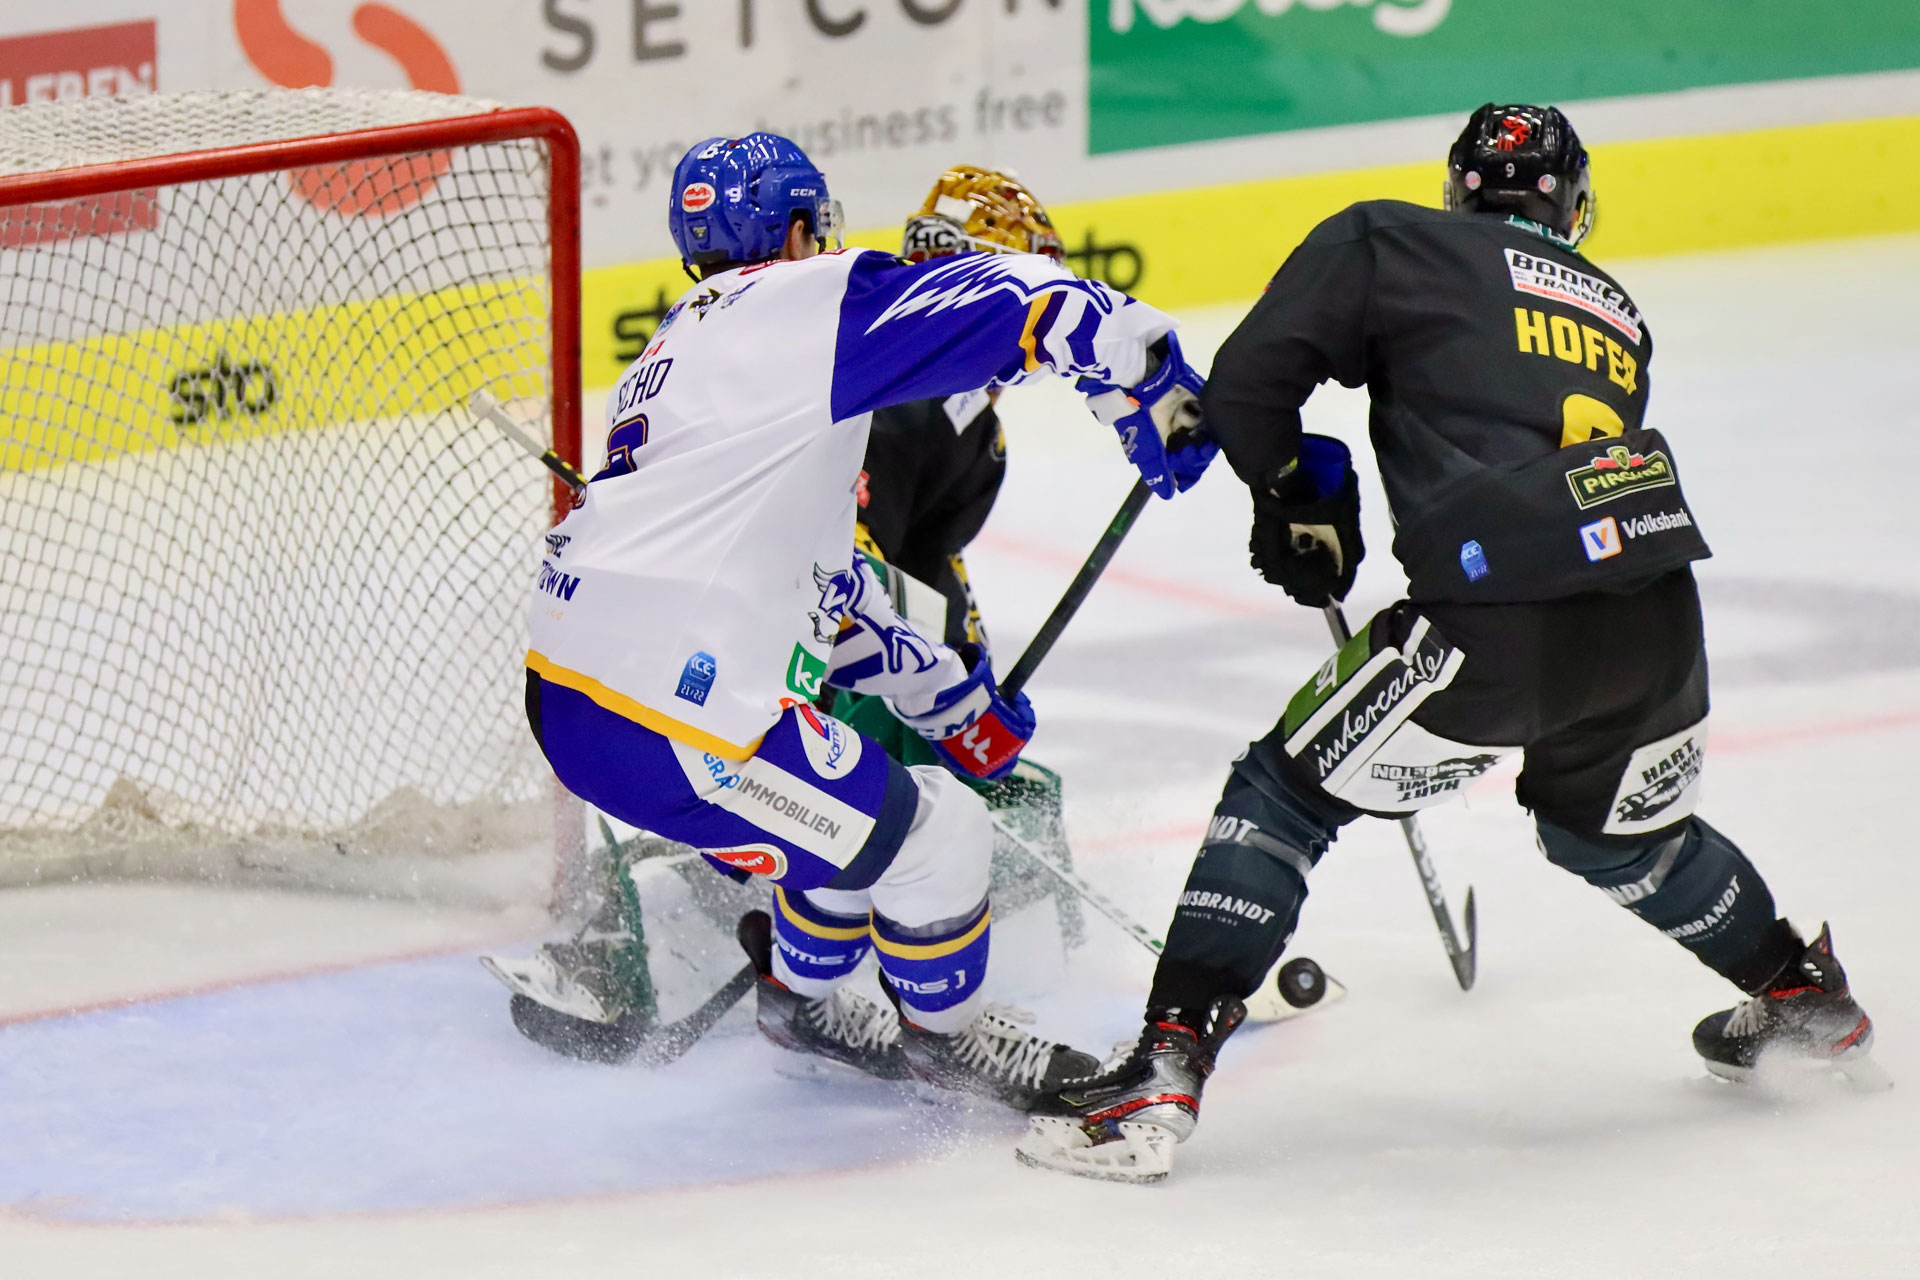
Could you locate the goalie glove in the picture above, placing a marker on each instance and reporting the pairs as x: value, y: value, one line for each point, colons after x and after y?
x: 1158, y: 420
x: 1306, y: 524
x: 975, y: 732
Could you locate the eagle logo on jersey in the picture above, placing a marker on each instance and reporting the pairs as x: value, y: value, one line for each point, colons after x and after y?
x: 841, y: 592
x: 842, y: 595
x: 974, y: 277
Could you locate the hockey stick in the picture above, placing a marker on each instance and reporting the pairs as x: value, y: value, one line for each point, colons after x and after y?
x: 663, y: 1044
x: 628, y: 1037
x: 1302, y: 982
x: 1023, y: 669
x: 1076, y: 593
x: 485, y: 406
x: 1463, y: 958
x: 1298, y: 984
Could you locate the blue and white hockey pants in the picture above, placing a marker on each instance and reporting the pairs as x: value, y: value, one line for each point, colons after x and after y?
x: 864, y: 853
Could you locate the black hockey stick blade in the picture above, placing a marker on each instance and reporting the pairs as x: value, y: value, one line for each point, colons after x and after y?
x: 667, y: 1042
x: 631, y: 1036
x: 1463, y: 959
x: 1466, y: 964
x: 1077, y: 590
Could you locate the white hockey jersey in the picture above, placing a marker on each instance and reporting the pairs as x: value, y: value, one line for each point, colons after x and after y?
x: 699, y: 586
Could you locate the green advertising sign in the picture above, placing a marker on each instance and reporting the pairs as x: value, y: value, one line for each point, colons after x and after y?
x: 1172, y: 71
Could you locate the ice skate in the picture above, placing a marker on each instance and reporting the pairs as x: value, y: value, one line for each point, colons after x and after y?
x: 1122, y: 1124
x: 993, y: 1056
x: 1806, y: 1018
x: 846, y: 1032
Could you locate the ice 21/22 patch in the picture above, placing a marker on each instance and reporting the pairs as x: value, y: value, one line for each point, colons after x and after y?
x: 697, y: 677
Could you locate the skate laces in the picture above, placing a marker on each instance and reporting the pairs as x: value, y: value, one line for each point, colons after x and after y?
x: 994, y: 1043
x: 1749, y: 1017
x: 855, y: 1021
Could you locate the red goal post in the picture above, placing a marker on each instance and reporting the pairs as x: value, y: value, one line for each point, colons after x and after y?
x: 61, y: 186
x: 262, y: 578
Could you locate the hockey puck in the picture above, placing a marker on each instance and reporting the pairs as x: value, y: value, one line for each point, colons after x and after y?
x: 1302, y: 982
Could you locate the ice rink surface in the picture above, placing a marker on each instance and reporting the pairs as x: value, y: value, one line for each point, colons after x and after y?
x: 200, y: 1082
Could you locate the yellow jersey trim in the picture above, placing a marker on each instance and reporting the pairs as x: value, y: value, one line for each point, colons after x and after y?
x: 841, y: 934
x: 933, y: 950
x: 621, y: 705
x: 1035, y: 310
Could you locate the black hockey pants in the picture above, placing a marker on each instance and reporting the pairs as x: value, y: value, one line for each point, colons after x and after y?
x: 1606, y: 696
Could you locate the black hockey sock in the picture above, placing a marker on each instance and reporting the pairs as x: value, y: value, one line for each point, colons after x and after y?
x: 1694, y: 885
x: 1243, y: 896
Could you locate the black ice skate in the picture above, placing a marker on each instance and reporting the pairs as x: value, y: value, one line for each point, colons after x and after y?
x: 1122, y: 1124
x: 1806, y: 1017
x: 992, y: 1056
x: 843, y: 1030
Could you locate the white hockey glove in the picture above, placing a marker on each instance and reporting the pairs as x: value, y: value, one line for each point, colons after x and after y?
x: 1158, y: 420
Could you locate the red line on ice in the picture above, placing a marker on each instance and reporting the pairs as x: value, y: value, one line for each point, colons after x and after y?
x: 253, y: 980
x: 1133, y: 579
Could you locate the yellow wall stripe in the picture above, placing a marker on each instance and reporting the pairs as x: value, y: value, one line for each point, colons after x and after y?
x: 621, y: 705
x: 1657, y: 197
x: 108, y: 395
x: 932, y: 950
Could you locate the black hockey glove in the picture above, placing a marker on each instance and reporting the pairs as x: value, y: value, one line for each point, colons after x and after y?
x: 1306, y: 524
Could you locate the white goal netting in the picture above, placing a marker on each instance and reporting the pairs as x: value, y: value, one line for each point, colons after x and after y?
x: 261, y: 576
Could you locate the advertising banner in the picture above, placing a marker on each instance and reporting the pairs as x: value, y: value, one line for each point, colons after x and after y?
x: 1164, y: 72
x: 1183, y: 146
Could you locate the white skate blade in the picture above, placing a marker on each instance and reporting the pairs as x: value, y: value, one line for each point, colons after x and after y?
x: 1864, y: 1074
x: 1267, y: 1004
x: 811, y: 1068
x: 1779, y: 1073
x: 1142, y: 1153
x: 536, y: 978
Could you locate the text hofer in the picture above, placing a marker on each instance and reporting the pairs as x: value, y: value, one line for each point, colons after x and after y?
x: 1582, y: 344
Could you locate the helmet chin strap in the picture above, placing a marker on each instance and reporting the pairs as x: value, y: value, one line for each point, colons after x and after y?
x: 1583, y: 219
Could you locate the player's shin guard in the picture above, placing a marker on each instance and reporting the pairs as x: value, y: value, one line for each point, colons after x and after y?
x: 1243, y: 896
x: 1694, y: 885
x: 815, y: 949
x: 937, y: 969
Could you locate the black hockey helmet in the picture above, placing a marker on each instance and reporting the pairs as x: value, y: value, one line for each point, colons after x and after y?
x: 1525, y: 160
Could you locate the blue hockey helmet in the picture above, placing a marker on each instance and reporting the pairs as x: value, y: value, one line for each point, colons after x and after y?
x: 734, y: 198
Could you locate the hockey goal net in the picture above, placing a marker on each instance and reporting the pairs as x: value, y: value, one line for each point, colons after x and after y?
x: 262, y: 577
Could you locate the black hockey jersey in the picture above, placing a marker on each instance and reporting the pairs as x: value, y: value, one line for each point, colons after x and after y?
x: 933, y: 469
x: 1508, y: 379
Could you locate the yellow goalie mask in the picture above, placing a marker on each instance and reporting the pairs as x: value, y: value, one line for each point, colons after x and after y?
x: 980, y: 210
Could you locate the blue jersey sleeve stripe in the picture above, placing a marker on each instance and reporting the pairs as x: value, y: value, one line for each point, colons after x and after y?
x: 911, y: 331
x: 1080, y: 340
